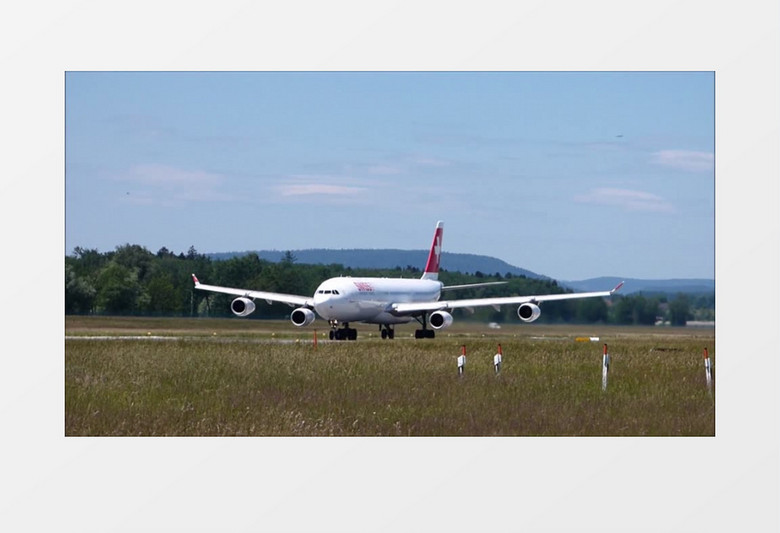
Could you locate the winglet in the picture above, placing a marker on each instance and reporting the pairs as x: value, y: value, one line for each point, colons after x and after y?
x: 613, y: 291
x: 195, y: 280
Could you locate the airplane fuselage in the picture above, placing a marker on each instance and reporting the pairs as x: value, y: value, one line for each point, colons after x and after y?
x: 368, y: 299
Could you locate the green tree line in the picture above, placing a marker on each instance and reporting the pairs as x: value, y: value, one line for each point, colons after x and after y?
x: 131, y: 280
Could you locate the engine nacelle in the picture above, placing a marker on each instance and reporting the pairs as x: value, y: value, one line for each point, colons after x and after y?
x: 440, y: 320
x: 302, y: 317
x: 528, y: 312
x: 242, y: 306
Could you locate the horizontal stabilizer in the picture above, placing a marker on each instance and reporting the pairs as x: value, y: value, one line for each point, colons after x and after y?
x: 473, y: 285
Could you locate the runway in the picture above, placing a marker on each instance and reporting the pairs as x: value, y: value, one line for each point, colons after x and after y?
x: 190, y: 338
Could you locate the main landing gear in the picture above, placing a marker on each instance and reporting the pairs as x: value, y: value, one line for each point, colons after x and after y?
x: 345, y: 333
x: 424, y: 333
x: 386, y: 331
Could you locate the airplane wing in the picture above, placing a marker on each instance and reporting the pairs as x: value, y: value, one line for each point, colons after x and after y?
x: 412, y: 308
x: 290, y: 299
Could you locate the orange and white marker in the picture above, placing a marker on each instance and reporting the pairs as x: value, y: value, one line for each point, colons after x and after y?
x: 462, y: 360
x: 604, y: 369
x: 497, y: 360
x: 708, y: 368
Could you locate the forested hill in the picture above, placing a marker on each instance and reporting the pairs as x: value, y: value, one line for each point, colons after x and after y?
x: 413, y: 260
x: 390, y: 258
x: 645, y: 286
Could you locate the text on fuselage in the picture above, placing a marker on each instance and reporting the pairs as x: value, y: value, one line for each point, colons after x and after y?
x: 363, y: 286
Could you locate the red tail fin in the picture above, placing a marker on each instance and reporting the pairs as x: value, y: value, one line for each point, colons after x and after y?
x: 432, y: 266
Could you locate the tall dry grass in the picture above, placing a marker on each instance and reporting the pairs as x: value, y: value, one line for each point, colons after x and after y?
x: 233, y: 384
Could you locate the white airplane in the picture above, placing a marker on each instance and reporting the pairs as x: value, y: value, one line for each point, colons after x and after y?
x: 387, y: 301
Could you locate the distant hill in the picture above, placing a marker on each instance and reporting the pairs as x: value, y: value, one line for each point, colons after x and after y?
x: 390, y: 258
x: 647, y: 286
x: 469, y: 264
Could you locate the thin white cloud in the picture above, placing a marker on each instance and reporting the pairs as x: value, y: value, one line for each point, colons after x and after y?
x: 627, y: 199
x: 431, y: 162
x: 306, y: 189
x: 167, y: 176
x: 685, y: 160
x: 166, y: 185
x: 384, y: 170
x: 303, y: 187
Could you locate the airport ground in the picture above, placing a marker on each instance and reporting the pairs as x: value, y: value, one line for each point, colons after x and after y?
x: 166, y: 376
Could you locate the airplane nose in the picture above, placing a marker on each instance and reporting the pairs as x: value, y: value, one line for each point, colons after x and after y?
x: 323, y: 304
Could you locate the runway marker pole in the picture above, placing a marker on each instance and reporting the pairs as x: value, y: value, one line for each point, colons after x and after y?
x: 604, y: 369
x: 708, y: 369
x: 497, y: 360
x: 315, y: 339
x: 462, y: 360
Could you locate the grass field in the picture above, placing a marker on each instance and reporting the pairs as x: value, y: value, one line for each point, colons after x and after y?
x: 247, y: 377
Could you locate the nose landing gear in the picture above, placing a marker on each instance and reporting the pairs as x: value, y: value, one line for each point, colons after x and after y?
x: 345, y: 333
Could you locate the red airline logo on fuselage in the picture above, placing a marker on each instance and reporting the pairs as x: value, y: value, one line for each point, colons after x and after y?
x: 363, y: 286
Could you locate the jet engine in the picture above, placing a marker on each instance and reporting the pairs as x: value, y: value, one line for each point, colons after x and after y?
x: 242, y: 306
x: 440, y: 320
x: 528, y: 312
x: 302, y: 317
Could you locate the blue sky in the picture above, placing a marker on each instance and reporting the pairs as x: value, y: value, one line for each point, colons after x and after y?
x: 568, y: 174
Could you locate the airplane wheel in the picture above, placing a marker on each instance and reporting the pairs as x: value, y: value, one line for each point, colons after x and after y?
x: 384, y: 333
x: 331, y: 335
